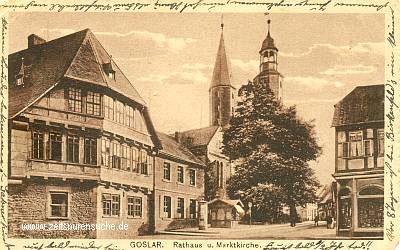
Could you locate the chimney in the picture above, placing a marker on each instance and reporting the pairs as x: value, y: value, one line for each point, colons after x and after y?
x: 177, y: 137
x: 34, y: 40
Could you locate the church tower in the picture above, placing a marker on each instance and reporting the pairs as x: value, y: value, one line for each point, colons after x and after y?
x: 221, y: 92
x: 269, y: 65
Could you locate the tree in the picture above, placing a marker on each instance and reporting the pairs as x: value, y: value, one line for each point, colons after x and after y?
x: 271, y: 146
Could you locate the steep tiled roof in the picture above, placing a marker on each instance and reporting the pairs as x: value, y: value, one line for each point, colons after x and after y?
x: 363, y: 104
x: 77, y: 56
x: 44, y: 66
x: 173, y: 148
x: 200, y: 136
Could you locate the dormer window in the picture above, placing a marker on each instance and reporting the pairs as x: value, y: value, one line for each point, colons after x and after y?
x: 19, y: 77
x: 111, y: 75
x: 108, y: 69
x: 19, y: 81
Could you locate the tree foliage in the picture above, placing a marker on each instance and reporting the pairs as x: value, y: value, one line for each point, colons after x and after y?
x: 271, y: 146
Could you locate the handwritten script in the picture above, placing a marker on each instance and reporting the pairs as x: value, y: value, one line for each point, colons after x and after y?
x: 181, y: 6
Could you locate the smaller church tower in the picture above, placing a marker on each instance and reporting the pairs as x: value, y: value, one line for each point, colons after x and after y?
x: 269, y: 65
x: 221, y: 92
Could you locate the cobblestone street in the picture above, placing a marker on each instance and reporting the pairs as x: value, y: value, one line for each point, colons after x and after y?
x: 304, y: 230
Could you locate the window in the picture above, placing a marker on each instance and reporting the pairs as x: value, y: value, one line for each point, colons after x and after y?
x: 111, y: 204
x: 73, y: 148
x: 381, y: 142
x: 181, y: 208
x: 105, y: 152
x: 74, y: 99
x: 192, y: 177
x: 116, y: 155
x: 108, y: 107
x: 129, y: 116
x: 129, y: 158
x: 369, y: 147
x: 167, y: 171
x: 192, y: 209
x: 355, y: 139
x: 119, y: 112
x: 180, y: 174
x: 145, y: 162
x: 90, y: 151
x: 59, y: 204
x: 19, y: 81
x: 370, y: 207
x: 134, y: 206
x: 55, y: 146
x: 135, y: 160
x: 93, y: 103
x: 124, y: 149
x: 345, y: 212
x: 139, y: 126
x: 37, y: 145
x: 167, y: 206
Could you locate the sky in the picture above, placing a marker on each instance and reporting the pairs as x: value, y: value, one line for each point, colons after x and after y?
x: 169, y: 59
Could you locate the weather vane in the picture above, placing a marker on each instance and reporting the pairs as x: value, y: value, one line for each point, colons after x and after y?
x: 222, y: 21
x: 269, y: 20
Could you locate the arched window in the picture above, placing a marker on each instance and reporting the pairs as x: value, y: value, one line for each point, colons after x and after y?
x: 370, y: 207
x: 344, y: 220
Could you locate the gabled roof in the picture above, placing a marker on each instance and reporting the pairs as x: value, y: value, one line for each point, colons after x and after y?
x: 77, y: 56
x: 200, y: 136
x: 363, y: 104
x: 222, y: 72
x: 171, y: 147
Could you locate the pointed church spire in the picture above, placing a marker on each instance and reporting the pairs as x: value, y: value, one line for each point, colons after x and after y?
x: 221, y: 74
x: 221, y: 89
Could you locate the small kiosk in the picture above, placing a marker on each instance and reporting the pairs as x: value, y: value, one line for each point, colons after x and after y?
x: 225, y: 213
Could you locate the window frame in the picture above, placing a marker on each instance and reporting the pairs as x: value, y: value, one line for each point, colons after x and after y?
x: 180, y: 208
x: 75, y: 143
x: 53, y: 143
x: 180, y: 175
x: 167, y: 170
x: 380, y: 134
x: 192, y: 170
x: 90, y: 150
x: 167, y: 207
x: 192, y: 209
x: 111, y: 204
x: 51, y: 204
x: 75, y: 97
x: 369, y: 197
x: 38, y: 145
x: 135, y: 208
x: 94, y: 103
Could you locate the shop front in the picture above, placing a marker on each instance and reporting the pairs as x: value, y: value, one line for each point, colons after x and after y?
x: 360, y: 207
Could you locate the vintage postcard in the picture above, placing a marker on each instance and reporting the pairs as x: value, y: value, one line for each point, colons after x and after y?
x: 200, y: 125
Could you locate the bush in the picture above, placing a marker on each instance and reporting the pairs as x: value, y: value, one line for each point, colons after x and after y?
x: 182, y: 223
x: 144, y: 229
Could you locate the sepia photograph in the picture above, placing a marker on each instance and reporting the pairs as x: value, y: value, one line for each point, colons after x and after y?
x: 196, y: 126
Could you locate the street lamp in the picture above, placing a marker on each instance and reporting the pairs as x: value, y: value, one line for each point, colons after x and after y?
x: 250, y: 205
